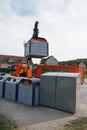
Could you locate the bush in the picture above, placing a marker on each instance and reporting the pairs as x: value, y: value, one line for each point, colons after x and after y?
x: 6, y: 70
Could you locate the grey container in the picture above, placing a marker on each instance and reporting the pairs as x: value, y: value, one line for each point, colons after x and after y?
x: 36, y: 49
x: 47, y: 90
x: 2, y: 85
x: 11, y: 88
x: 29, y: 94
x: 68, y: 92
x: 64, y: 89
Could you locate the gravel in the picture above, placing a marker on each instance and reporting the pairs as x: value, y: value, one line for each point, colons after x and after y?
x: 41, y: 118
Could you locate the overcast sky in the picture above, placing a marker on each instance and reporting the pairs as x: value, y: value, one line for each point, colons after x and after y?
x: 62, y: 22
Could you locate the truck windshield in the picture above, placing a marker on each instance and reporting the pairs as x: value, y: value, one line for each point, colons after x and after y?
x: 13, y: 68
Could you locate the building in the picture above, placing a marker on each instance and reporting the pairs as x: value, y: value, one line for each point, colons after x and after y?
x: 50, y: 60
x: 7, y: 60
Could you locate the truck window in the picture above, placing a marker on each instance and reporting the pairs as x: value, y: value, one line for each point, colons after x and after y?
x: 13, y: 68
x: 22, y: 67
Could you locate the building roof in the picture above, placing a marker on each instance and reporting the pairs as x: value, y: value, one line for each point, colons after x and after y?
x: 11, y: 59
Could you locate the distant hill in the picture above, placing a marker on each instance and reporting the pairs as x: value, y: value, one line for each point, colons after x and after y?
x: 74, y: 62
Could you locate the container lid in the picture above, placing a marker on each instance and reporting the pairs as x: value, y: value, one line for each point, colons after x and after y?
x: 38, y: 39
x: 61, y: 74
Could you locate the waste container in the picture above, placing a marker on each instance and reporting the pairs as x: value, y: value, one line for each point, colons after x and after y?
x: 47, y: 89
x: 11, y: 88
x: 2, y: 85
x: 35, y: 48
x: 68, y: 92
x: 28, y: 93
x: 60, y: 91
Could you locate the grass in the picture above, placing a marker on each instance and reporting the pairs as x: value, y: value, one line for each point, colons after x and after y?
x: 78, y: 124
x: 86, y: 76
x: 5, y: 124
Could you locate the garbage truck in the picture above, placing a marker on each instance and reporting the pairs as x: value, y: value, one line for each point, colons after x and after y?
x: 36, y: 47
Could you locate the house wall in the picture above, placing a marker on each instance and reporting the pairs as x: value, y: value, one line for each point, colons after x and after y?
x: 4, y: 65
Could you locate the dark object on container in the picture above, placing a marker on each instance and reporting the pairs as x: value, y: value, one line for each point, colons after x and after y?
x: 35, y: 30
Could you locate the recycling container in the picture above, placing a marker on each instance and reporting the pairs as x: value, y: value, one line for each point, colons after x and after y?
x: 11, y: 88
x: 28, y: 93
x: 2, y: 85
x: 60, y: 91
x: 35, y: 48
x: 68, y: 92
x: 47, y: 90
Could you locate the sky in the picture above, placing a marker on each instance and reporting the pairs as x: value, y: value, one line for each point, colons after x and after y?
x: 63, y: 23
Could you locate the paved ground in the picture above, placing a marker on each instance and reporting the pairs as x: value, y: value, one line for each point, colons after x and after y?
x: 41, y: 118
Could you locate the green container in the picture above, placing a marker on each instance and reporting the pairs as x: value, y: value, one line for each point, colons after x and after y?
x: 52, y: 70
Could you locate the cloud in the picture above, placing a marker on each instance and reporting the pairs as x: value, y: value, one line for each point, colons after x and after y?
x: 62, y: 22
x: 23, y: 8
x: 27, y: 7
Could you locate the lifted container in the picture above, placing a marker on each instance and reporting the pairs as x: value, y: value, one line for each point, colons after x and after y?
x: 36, y: 47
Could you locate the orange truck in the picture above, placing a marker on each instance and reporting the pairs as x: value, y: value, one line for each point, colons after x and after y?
x: 21, y: 70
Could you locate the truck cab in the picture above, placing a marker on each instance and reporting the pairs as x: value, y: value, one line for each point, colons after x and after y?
x: 21, y: 70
